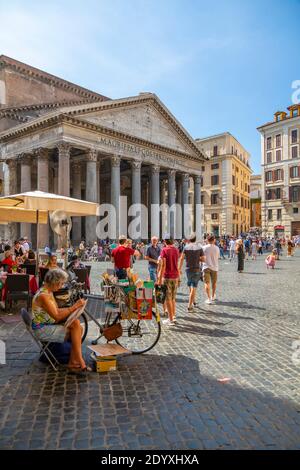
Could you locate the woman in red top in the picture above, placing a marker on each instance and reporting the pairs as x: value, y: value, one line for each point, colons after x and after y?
x: 8, y: 259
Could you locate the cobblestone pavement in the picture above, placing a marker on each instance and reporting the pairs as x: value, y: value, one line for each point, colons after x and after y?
x: 170, y: 398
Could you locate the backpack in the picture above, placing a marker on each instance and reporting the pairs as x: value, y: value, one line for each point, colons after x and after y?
x: 61, y: 351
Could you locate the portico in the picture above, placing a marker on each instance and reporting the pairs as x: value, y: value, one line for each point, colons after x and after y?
x: 104, y: 151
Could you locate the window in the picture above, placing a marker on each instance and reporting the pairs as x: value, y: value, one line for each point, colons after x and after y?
x: 278, y: 175
x: 294, y: 152
x: 203, y: 168
x: 237, y: 169
x: 215, y: 180
x: 202, y: 198
x: 278, y: 214
x: 242, y: 202
x: 270, y: 214
x: 295, y: 210
x: 233, y: 180
x: 295, y: 194
x: 214, y: 216
x: 294, y: 172
x: 237, y: 200
x: 277, y: 193
x: 278, y: 155
x: 269, y: 157
x: 215, y: 150
x: 278, y: 140
x: 233, y: 199
x: 269, y: 143
x: 246, y: 187
x: 214, y: 199
x: 232, y: 149
x: 215, y: 166
x: 269, y: 176
x: 294, y: 136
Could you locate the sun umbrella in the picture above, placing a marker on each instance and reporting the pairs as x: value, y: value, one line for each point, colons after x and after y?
x: 39, y: 202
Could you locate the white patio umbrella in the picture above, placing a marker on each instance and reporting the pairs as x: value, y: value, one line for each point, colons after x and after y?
x: 40, y: 204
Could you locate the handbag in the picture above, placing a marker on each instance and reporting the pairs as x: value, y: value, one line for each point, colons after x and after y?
x: 113, y: 332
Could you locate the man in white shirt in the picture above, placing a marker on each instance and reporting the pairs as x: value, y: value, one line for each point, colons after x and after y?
x: 232, y: 244
x: 25, y: 245
x: 210, y: 268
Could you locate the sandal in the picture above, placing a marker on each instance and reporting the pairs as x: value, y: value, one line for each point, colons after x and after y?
x: 80, y: 370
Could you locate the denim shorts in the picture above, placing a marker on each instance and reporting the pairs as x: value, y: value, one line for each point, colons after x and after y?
x: 193, y: 278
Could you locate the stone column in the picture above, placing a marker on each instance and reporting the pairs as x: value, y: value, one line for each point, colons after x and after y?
x: 197, y: 207
x: 136, y: 191
x: 42, y: 156
x: 76, y: 221
x: 11, y: 188
x: 64, y: 169
x: 25, y: 229
x: 185, y: 202
x: 115, y: 191
x: 155, y: 200
x: 163, y: 214
x: 171, y: 201
x: 179, y: 214
x: 91, y: 194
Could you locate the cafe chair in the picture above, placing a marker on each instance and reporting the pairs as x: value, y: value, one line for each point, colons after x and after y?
x: 30, y: 268
x: 43, y: 346
x: 81, y: 274
x: 17, y: 289
x: 42, y: 274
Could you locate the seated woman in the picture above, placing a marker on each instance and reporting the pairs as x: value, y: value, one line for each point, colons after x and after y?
x: 30, y: 258
x: 47, y: 319
x: 8, y: 259
x: 52, y: 262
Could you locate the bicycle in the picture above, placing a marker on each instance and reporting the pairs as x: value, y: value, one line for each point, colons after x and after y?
x: 139, y: 336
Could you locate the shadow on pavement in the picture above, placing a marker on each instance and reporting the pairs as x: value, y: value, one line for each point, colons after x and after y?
x: 151, y: 402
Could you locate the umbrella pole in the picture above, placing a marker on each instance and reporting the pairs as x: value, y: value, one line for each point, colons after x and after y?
x: 37, y: 243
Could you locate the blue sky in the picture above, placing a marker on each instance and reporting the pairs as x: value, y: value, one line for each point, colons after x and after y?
x: 218, y: 66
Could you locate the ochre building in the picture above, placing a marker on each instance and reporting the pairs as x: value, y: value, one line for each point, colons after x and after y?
x: 226, y: 185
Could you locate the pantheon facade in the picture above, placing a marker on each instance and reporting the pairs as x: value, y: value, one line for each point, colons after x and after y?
x: 58, y: 137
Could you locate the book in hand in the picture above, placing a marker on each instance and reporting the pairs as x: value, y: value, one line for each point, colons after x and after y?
x: 73, y: 316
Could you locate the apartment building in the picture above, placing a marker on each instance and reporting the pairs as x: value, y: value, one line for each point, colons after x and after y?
x: 225, y: 192
x: 280, y: 159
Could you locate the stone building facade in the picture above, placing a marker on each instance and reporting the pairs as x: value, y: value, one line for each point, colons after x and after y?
x: 255, y: 201
x: 280, y: 159
x: 226, y: 185
x: 62, y: 138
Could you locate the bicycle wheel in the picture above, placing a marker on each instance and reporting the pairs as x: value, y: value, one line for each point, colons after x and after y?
x: 139, y: 336
x: 84, y: 323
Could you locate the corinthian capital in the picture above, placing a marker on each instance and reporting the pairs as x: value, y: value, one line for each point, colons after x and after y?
x: 155, y: 170
x: 64, y: 148
x: 25, y: 158
x: 92, y: 155
x: 115, y: 161
x: 185, y: 177
x: 171, y: 174
x: 197, y: 179
x: 136, y: 165
x: 42, y: 153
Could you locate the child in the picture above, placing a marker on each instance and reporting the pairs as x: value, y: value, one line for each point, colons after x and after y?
x: 270, y: 259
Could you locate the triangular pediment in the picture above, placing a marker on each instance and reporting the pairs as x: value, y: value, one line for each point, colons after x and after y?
x: 146, y: 120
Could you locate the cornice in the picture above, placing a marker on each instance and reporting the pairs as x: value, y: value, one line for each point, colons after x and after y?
x: 48, y: 78
x: 67, y: 119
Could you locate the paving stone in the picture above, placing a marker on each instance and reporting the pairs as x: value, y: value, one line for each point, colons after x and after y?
x: 170, y: 398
